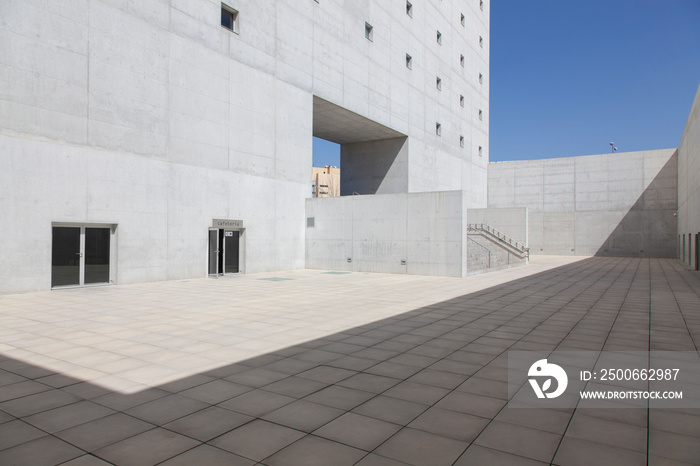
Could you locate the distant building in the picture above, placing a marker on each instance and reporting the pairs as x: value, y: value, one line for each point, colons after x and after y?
x: 326, y: 181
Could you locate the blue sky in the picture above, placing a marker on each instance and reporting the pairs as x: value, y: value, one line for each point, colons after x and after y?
x: 567, y: 78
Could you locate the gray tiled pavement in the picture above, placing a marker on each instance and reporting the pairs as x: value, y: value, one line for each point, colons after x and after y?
x: 424, y: 385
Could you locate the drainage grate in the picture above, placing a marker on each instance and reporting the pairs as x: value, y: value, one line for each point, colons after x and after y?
x: 336, y: 273
x: 275, y: 279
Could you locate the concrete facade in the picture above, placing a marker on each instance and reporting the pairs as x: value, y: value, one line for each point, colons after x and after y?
x: 621, y: 204
x: 408, y: 233
x: 689, y: 188
x: 152, y: 119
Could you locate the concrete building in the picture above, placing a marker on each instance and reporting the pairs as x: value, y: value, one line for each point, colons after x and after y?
x: 689, y: 189
x: 161, y: 140
x: 325, y: 181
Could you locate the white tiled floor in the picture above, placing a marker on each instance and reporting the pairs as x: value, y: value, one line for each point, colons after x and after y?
x: 128, y: 338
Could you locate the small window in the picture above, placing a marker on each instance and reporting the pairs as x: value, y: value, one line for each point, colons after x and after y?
x: 409, y: 62
x: 463, y: 20
x: 461, y: 100
x: 481, y: 5
x: 481, y: 41
x: 461, y: 60
x: 369, y: 31
x: 481, y: 151
x: 409, y: 9
x: 481, y: 115
x: 461, y: 141
x: 439, y: 37
x: 229, y: 18
x: 438, y: 83
x: 310, y: 222
x: 481, y: 78
x: 438, y: 129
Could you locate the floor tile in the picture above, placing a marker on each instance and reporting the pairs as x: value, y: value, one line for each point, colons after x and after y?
x: 209, y: 456
x: 150, y: 447
x: 478, y: 455
x: 33, y: 404
x: 577, y: 452
x: 17, y: 432
x: 518, y: 440
x: 257, y: 402
x: 315, y: 451
x: 420, y: 448
x: 458, y: 426
x: 68, y: 416
x: 391, y: 409
x: 104, y: 431
x: 340, y: 397
x: 166, y: 409
x: 215, y: 392
x: 257, y: 440
x: 359, y: 431
x: 208, y: 423
x: 44, y: 451
x: 303, y: 415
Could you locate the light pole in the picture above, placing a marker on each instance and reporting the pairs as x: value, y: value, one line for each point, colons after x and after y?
x: 612, y: 147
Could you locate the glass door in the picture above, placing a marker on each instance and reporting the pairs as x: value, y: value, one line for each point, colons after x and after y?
x: 80, y: 255
x: 65, y: 256
x: 231, y: 251
x: 213, y: 252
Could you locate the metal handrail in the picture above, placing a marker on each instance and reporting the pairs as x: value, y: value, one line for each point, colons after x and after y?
x: 482, y: 246
x: 500, y: 236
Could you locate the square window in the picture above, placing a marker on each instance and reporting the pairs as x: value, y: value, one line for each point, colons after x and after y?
x: 438, y: 83
x: 481, y: 78
x: 310, y: 222
x: 463, y: 20
x: 409, y: 9
x: 461, y: 141
x: 481, y: 115
x: 461, y: 100
x: 438, y: 129
x: 481, y: 41
x: 229, y: 18
x: 439, y: 37
x: 409, y: 62
x: 461, y: 60
x: 369, y: 31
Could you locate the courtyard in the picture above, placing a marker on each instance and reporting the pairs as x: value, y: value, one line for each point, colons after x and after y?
x: 315, y: 367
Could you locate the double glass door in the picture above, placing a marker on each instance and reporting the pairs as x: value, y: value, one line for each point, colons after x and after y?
x: 224, y: 251
x: 80, y: 255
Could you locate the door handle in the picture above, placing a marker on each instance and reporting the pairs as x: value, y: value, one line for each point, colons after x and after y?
x: 79, y: 254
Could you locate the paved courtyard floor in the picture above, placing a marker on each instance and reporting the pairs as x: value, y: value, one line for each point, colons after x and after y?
x: 311, y: 367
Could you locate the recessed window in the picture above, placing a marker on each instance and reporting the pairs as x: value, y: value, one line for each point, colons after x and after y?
x: 310, y: 222
x: 438, y: 83
x: 409, y: 62
x: 229, y: 18
x: 481, y: 41
x: 461, y: 141
x: 461, y: 60
x: 409, y: 9
x: 438, y: 129
x: 369, y: 31
x: 463, y: 20
x: 481, y: 5
x: 481, y: 151
x: 481, y: 114
x: 439, y: 37
x: 481, y: 78
x: 461, y: 100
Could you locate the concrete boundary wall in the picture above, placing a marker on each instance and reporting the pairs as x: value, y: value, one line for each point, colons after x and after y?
x: 377, y: 233
x: 619, y: 204
x: 689, y: 187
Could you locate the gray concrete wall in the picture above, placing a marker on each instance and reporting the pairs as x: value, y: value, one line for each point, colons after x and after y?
x: 689, y: 184
x: 609, y: 204
x: 376, y: 167
x: 427, y: 230
x: 509, y: 221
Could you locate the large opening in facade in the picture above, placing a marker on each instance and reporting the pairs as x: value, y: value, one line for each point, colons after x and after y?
x: 373, y: 157
x: 225, y: 247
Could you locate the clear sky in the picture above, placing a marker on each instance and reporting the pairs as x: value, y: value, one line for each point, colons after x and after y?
x: 568, y: 77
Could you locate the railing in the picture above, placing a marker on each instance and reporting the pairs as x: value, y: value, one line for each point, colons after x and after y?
x: 483, y: 247
x: 502, y: 237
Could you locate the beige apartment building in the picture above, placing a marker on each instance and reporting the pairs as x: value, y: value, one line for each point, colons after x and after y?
x: 326, y: 181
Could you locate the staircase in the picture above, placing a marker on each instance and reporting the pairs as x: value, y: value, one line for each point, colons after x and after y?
x: 488, y: 250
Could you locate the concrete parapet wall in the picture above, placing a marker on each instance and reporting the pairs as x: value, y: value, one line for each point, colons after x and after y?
x: 377, y: 233
x: 619, y: 204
